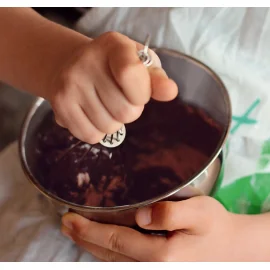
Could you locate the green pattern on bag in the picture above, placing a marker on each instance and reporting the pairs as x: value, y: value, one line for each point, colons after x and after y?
x: 246, y: 195
x: 265, y: 156
x: 249, y: 194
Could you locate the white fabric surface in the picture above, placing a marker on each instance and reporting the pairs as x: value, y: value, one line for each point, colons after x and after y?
x: 29, y: 226
x: 232, y: 41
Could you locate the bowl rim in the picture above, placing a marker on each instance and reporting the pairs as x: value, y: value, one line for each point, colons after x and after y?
x: 38, y: 102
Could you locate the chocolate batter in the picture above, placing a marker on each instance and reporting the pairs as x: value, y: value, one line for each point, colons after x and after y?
x: 164, y: 148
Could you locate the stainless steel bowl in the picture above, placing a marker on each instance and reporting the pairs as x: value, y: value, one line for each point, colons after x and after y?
x: 198, y: 85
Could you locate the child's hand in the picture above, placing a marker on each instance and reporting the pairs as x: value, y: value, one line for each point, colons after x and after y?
x: 200, y: 230
x: 103, y: 84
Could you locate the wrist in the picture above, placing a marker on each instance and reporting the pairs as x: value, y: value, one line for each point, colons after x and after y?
x: 64, y: 44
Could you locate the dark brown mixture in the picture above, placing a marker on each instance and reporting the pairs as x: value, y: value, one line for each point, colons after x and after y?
x: 164, y: 148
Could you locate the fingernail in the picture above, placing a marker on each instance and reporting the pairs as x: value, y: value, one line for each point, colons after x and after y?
x: 144, y: 216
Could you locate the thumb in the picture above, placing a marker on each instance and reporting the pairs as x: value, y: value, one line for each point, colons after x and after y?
x: 163, y: 88
x: 171, y: 216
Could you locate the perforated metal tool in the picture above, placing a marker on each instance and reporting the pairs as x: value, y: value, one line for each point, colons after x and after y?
x: 115, y: 139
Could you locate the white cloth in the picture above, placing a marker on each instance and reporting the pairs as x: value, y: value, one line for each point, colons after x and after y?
x: 232, y: 41
x: 29, y: 226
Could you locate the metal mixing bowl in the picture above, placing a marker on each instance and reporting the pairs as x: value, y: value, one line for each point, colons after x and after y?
x: 198, y: 85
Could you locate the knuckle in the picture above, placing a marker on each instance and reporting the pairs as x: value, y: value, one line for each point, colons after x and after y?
x: 82, y: 231
x: 114, y: 242
x: 69, y: 77
x: 57, y: 101
x: 125, y: 73
x: 111, y: 36
x: 110, y: 256
x: 129, y: 75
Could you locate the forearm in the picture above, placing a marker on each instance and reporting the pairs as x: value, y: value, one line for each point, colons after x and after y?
x: 32, y: 49
x: 254, y: 237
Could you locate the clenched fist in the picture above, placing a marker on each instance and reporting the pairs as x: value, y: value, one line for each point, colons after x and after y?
x: 103, y: 85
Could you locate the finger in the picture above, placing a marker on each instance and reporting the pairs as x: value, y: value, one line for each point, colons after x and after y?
x: 114, y: 100
x: 99, y: 252
x: 163, y: 88
x: 171, y: 216
x: 123, y: 240
x: 78, y: 124
x: 97, y: 113
x: 59, y: 122
x: 130, y: 73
